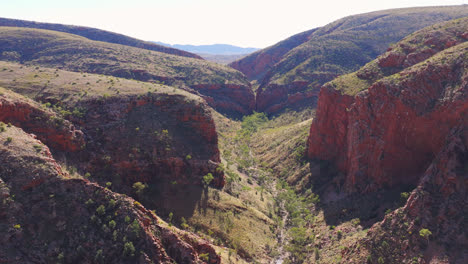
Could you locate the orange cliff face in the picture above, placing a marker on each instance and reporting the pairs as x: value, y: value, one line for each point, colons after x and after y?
x: 388, y: 134
x: 231, y: 99
x: 46, y: 125
x: 151, y: 138
x: 145, y: 138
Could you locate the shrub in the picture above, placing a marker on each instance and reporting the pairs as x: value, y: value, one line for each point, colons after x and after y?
x: 404, y: 197
x: 380, y: 260
x: 9, y: 139
x: 425, y: 233
x: 135, y: 228
x: 205, y: 257
x: 129, y: 249
x: 89, y: 202
x: 139, y: 187
x: 184, y: 224
x: 101, y: 210
x: 112, y: 224
x: 207, y: 179
x: 112, y: 203
x: 38, y: 148
x: 170, y: 218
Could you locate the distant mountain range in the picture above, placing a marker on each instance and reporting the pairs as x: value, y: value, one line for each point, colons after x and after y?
x: 217, y: 49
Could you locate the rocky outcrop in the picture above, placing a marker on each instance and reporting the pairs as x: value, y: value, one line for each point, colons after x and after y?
x: 388, y: 135
x: 328, y: 133
x: 166, y: 135
x: 438, y: 205
x: 400, y: 123
x: 149, y: 138
x: 47, y: 216
x: 296, y: 96
x: 230, y: 99
x: 51, y: 129
x: 97, y: 34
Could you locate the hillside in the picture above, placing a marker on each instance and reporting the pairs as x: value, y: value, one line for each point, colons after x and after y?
x: 399, y: 123
x: 98, y: 35
x: 290, y: 73
x: 223, y: 88
x: 213, y: 49
x: 52, y: 214
x: 221, y: 59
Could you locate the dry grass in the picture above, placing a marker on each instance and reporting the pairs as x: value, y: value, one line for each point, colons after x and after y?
x: 48, y: 83
x: 71, y: 52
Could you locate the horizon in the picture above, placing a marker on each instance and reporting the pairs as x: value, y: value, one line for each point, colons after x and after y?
x: 261, y: 23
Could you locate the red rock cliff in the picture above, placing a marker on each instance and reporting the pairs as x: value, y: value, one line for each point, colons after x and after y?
x: 46, y: 125
x: 150, y: 138
x: 388, y: 134
x: 46, y: 216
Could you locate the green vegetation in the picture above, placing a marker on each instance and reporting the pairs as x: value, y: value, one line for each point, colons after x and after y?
x: 205, y: 257
x: 207, y: 179
x: 101, y: 210
x: 129, y: 249
x: 425, y: 233
x: 38, y: 148
x: 139, y: 187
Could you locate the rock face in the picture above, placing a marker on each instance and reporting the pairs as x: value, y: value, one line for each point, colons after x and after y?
x: 388, y: 134
x: 47, y: 216
x: 231, y: 99
x: 401, y: 121
x: 97, y: 34
x: 134, y: 135
x: 290, y: 73
x: 438, y: 205
x: 56, y: 132
x: 150, y: 138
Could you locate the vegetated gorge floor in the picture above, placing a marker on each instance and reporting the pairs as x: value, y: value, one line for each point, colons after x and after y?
x: 268, y: 176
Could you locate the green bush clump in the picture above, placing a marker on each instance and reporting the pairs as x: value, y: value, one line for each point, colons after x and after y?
x: 207, y: 179
x: 101, y: 210
x: 129, y: 249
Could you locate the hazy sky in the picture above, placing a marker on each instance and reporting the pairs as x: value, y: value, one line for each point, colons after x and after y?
x: 246, y: 23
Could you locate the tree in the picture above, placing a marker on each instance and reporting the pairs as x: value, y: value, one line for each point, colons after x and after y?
x: 425, y: 233
x: 207, y: 179
x: 139, y: 187
x: 129, y: 249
